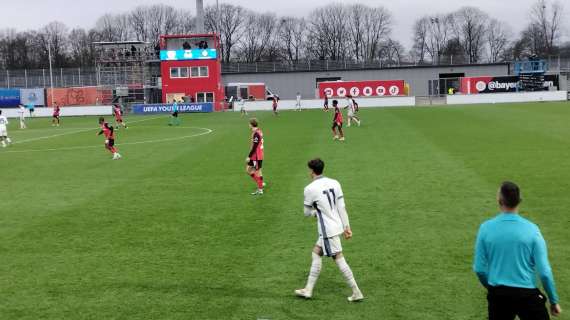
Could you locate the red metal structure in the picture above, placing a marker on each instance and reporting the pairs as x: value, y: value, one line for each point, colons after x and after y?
x: 191, y: 69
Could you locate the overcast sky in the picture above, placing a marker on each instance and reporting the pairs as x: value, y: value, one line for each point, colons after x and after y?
x: 32, y: 14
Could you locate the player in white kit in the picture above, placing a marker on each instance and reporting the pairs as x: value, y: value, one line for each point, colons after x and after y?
x: 22, y: 113
x: 4, y: 131
x: 325, y: 201
x: 351, y: 113
x: 298, y: 104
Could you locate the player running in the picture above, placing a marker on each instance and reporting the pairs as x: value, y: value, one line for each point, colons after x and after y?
x: 174, y: 119
x: 118, y: 113
x: 351, y: 114
x: 56, y: 112
x: 325, y: 201
x: 4, y: 139
x: 254, y: 160
x: 109, y: 133
x: 337, y: 122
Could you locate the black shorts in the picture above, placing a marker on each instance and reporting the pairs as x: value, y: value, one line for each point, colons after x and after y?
x: 111, y: 143
x: 337, y: 125
x: 256, y: 164
x: 175, y: 114
x: 508, y: 302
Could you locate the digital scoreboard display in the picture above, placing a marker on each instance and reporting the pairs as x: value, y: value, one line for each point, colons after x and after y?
x: 194, y: 54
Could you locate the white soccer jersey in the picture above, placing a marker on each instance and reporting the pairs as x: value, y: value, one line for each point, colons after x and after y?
x: 350, y: 106
x: 3, y: 122
x: 323, y: 195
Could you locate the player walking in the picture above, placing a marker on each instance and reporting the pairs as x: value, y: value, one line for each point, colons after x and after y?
x: 22, y: 113
x: 275, y: 105
x: 351, y: 114
x: 174, y: 120
x: 4, y: 139
x: 241, y: 103
x: 298, y: 105
x: 254, y: 160
x: 118, y: 113
x: 326, y: 104
x: 56, y: 111
x: 337, y: 122
x: 325, y: 201
x: 109, y: 133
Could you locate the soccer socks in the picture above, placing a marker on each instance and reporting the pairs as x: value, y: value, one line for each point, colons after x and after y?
x: 347, y: 273
x: 258, y: 180
x: 316, y: 266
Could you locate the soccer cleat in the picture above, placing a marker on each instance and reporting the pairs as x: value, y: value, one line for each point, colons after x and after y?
x: 341, y: 139
x: 335, y: 138
x: 259, y: 192
x: 356, y: 297
x: 264, y: 184
x: 303, y: 293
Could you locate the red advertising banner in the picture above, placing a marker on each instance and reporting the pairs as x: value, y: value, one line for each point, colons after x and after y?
x: 368, y: 88
x: 83, y: 96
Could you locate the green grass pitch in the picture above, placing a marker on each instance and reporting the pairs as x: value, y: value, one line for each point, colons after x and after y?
x: 171, y: 231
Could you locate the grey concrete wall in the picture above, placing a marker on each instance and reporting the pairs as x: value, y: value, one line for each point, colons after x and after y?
x: 287, y: 84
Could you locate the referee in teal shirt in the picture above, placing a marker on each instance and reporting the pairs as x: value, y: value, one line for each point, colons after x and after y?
x: 509, y: 253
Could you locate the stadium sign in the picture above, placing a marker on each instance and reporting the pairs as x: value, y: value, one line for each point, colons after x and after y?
x: 185, y: 55
x: 371, y: 88
x: 9, y: 98
x: 168, y: 108
x: 475, y: 85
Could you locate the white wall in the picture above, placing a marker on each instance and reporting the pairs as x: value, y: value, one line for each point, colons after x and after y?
x: 318, y: 104
x: 507, y: 97
x: 65, y: 111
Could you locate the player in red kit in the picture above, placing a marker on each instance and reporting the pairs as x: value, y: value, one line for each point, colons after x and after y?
x: 118, y: 113
x: 255, y: 158
x: 109, y: 133
x: 55, y: 116
x: 337, y: 122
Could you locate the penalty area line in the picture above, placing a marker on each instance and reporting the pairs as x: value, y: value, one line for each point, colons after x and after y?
x: 206, y: 132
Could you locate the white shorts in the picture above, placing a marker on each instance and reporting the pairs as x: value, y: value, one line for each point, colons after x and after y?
x: 3, y: 132
x: 331, y: 246
x: 350, y: 114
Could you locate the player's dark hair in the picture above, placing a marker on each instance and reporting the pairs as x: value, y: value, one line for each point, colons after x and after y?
x: 0, y: 111
x: 253, y: 122
x: 317, y: 165
x: 509, y: 195
x: 335, y: 102
x: 101, y: 119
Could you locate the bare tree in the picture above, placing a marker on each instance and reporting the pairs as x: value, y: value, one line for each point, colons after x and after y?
x: 228, y: 21
x: 368, y: 28
x: 546, y: 24
x: 113, y: 27
x: 497, y: 37
x: 438, y: 35
x: 261, y: 32
x: 328, y: 36
x: 469, y: 26
x: 419, y: 48
x: 292, y: 37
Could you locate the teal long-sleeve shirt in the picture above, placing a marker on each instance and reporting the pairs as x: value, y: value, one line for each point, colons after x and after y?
x: 510, y: 251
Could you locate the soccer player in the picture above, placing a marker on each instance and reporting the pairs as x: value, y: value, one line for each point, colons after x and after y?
x: 275, y: 102
x: 56, y: 111
x: 118, y: 113
x: 254, y: 160
x: 31, y: 107
x: 337, y: 122
x: 325, y: 201
x: 326, y: 104
x: 4, y: 139
x: 351, y: 114
x: 298, y: 105
x: 22, y: 112
x: 109, y: 133
x: 241, y: 103
x: 174, y: 120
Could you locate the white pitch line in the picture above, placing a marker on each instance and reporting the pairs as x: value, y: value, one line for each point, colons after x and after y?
x: 206, y: 131
x: 73, y: 132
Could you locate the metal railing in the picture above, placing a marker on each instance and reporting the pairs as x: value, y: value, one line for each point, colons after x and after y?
x: 309, y: 65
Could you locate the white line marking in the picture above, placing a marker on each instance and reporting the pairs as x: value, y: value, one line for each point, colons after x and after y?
x: 206, y: 131
x: 73, y: 132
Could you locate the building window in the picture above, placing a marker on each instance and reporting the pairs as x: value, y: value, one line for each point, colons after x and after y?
x: 202, y: 97
x: 178, y: 73
x: 199, y: 72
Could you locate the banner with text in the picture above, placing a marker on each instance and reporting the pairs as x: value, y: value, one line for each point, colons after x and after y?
x: 476, y: 85
x: 370, y: 88
x: 167, y: 108
x: 9, y: 98
x: 35, y: 97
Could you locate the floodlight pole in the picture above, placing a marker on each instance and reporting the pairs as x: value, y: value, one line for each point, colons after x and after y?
x: 50, y: 72
x: 200, y: 16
